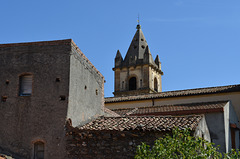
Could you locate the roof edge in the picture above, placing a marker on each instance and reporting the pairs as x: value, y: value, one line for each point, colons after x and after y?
x: 84, y: 56
x: 39, y: 43
x: 177, y: 93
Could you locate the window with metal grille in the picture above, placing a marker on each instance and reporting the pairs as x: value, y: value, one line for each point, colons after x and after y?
x: 39, y: 150
x: 25, y: 88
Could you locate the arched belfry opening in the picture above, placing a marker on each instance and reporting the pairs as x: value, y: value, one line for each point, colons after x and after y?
x: 155, y: 84
x: 133, y: 83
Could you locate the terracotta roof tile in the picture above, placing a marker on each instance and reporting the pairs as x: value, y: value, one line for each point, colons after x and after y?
x: 157, y: 123
x: 187, y: 92
x: 179, y: 109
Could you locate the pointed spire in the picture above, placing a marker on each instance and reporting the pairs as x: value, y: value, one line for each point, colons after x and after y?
x: 118, y: 59
x: 147, y: 57
x: 137, y: 49
x: 118, y: 55
x: 157, y: 62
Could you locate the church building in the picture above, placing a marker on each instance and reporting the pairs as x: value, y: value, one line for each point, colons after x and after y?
x: 138, y: 92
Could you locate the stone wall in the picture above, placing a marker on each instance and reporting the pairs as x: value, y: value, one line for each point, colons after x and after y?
x: 40, y: 116
x: 106, y: 144
x: 64, y: 85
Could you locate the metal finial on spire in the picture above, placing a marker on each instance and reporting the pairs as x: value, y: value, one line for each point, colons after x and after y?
x: 138, y: 26
x: 138, y: 20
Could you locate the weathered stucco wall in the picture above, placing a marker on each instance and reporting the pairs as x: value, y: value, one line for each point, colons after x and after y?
x: 230, y: 117
x: 215, y: 122
x: 41, y: 116
x: 202, y: 130
x: 86, y: 97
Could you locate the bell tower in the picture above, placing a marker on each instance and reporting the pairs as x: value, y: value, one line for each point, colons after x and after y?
x: 137, y: 73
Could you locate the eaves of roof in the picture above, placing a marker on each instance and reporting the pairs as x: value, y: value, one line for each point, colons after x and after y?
x: 178, y: 93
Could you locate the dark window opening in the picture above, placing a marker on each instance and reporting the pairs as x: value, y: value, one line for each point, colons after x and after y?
x: 133, y: 83
x: 233, y: 138
x: 57, y: 79
x: 25, y: 87
x: 62, y: 98
x: 155, y: 85
x: 39, y: 150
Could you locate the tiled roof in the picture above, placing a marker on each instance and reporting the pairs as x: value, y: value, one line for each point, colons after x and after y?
x: 187, y: 92
x: 157, y: 123
x: 178, y: 109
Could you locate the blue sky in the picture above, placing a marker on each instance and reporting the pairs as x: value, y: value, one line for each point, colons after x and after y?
x: 198, y: 41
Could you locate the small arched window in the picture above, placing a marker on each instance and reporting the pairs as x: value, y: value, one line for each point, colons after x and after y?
x: 25, y: 87
x: 132, y: 83
x: 155, y: 84
x: 39, y: 150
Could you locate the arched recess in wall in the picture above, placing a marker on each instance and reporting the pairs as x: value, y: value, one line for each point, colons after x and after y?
x: 132, y: 83
x: 39, y: 150
x: 155, y: 84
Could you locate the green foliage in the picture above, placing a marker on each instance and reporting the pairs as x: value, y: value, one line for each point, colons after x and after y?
x: 232, y: 154
x: 181, y: 145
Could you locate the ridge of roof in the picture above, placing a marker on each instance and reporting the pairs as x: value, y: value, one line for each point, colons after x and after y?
x: 177, y: 93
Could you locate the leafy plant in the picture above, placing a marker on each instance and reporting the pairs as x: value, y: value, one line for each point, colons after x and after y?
x: 181, y: 145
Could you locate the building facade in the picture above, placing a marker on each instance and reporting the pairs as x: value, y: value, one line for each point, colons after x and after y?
x: 138, y: 86
x: 42, y: 84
